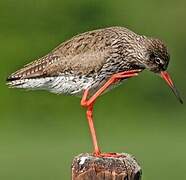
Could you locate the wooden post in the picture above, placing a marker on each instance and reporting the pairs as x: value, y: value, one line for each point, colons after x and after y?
x: 121, y: 167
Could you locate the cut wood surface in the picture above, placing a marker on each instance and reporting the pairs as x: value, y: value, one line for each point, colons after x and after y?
x: 121, y: 167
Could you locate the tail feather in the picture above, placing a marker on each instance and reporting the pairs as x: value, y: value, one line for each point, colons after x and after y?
x: 39, y: 83
x: 35, y: 69
x: 11, y: 78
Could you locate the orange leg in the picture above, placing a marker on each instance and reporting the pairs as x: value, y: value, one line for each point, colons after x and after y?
x: 89, y: 103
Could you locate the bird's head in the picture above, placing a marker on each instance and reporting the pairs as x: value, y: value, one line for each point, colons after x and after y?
x: 157, y: 56
x: 157, y: 60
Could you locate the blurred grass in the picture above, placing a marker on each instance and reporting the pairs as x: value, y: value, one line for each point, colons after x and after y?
x: 40, y: 132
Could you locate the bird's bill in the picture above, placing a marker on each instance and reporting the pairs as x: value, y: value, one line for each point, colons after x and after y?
x: 169, y: 81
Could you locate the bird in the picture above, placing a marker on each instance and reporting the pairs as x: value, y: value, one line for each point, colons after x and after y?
x: 92, y: 63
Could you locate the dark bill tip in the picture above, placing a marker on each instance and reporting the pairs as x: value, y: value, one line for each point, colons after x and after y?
x: 169, y: 81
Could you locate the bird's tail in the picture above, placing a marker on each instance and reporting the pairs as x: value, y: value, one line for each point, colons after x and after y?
x: 29, y: 83
x: 32, y: 75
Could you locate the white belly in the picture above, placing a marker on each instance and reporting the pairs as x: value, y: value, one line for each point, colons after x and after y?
x: 60, y: 84
x: 72, y: 85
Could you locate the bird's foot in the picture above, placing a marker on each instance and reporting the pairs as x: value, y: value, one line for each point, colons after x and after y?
x: 107, y: 155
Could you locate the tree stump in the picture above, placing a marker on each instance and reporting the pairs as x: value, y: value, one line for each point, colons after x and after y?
x: 120, y: 167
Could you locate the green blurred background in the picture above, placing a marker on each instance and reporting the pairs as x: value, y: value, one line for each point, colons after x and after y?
x: 40, y: 133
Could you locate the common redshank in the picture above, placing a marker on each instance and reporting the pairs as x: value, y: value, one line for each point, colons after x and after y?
x: 92, y: 62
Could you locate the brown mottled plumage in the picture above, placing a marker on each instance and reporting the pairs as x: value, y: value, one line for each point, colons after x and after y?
x: 92, y: 62
x: 83, y: 54
x: 92, y: 57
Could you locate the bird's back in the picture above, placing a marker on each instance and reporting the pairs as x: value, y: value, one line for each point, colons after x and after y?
x: 74, y: 65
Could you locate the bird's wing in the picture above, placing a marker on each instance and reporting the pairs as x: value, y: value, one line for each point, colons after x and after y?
x: 81, y: 55
x: 33, y: 69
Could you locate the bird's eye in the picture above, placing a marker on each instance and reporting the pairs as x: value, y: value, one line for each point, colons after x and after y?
x: 158, y: 60
x: 155, y: 59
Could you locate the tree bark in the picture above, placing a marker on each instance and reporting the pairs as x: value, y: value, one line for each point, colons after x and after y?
x: 120, y: 167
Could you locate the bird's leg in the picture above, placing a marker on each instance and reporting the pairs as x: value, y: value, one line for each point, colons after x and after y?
x: 89, y: 114
x: 89, y: 104
x: 92, y: 129
x: 114, y: 78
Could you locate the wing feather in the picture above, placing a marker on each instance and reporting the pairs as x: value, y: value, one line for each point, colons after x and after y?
x: 81, y: 55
